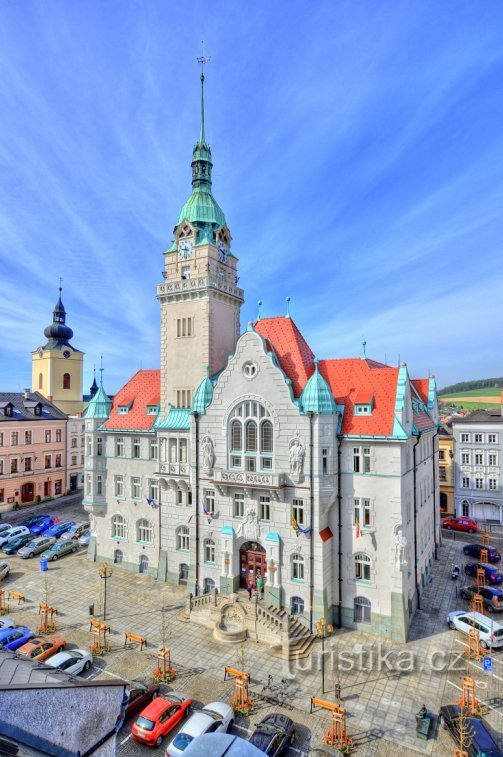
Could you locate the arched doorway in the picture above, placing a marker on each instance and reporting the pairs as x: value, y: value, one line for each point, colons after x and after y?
x: 252, y: 563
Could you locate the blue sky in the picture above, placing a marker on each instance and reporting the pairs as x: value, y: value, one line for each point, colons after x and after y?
x: 357, y: 154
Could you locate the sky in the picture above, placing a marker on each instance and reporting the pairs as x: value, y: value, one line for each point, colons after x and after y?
x: 358, y: 158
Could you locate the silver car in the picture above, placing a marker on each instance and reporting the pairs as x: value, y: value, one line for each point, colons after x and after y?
x: 75, y: 532
x: 4, y: 569
x: 35, y: 546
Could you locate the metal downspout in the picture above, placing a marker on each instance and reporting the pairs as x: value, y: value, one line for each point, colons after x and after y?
x: 339, y: 528
x: 435, y: 436
x: 415, y: 525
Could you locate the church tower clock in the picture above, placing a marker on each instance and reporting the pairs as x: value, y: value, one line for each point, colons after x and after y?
x: 200, y: 300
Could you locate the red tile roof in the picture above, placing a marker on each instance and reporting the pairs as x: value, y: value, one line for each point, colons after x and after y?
x: 363, y: 397
x: 350, y: 377
x: 422, y: 386
x: 142, y: 389
x: 292, y: 350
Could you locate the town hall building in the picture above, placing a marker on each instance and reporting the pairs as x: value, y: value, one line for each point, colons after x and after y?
x: 245, y: 457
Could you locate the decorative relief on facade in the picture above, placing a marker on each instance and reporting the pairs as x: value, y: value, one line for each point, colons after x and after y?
x: 297, y: 452
x: 250, y: 369
x: 401, y: 551
x: 250, y: 527
x: 208, y: 454
x: 238, y: 477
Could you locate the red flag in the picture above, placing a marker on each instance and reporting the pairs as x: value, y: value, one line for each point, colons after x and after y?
x: 357, y: 527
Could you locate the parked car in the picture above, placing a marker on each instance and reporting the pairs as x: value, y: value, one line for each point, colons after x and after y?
x: 273, y: 734
x: 33, y: 520
x: 460, y: 524
x: 42, y: 647
x: 474, y: 550
x: 35, y: 546
x: 139, y: 695
x: 7, y: 536
x: 5, y: 527
x: 4, y: 569
x: 482, y: 743
x: 13, y: 546
x: 491, y: 596
x: 215, y: 717
x: 72, y: 661
x: 85, y: 539
x: 42, y: 525
x: 57, y: 529
x: 493, y: 575
x: 76, y: 531
x: 6, y: 623
x: 490, y: 632
x: 13, y: 638
x: 59, y: 549
x: 223, y: 745
x: 160, y: 717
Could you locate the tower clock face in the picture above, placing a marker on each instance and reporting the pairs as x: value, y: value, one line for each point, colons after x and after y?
x: 185, y: 248
x: 66, y: 353
x: 223, y: 251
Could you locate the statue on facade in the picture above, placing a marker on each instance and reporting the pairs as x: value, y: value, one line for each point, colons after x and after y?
x: 207, y: 453
x: 249, y: 528
x: 296, y: 453
x: 400, y: 549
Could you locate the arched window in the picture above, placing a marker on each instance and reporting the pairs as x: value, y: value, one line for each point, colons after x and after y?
x: 208, y: 585
x: 362, y: 610
x: 66, y: 381
x: 119, y: 527
x: 236, y: 436
x: 118, y: 556
x: 297, y: 606
x: 143, y: 564
x: 250, y: 424
x: 362, y: 567
x: 183, y: 538
x: 40, y: 381
x: 209, y: 551
x: 144, y: 531
x: 297, y: 567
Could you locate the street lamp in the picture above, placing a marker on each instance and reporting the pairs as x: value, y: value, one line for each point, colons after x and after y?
x: 105, y: 572
x: 323, y: 629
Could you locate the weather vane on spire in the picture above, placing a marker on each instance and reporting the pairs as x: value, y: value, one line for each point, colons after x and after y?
x: 202, y: 59
x: 101, y: 369
x: 60, y: 284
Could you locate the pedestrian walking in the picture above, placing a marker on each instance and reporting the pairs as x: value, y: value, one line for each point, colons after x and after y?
x: 260, y: 585
x: 249, y: 589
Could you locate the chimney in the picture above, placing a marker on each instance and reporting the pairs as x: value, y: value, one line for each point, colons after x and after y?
x: 26, y: 393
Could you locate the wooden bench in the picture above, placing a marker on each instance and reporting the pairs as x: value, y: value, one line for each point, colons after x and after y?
x: 16, y: 595
x: 137, y: 639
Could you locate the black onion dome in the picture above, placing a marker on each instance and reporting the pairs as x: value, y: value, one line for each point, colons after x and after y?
x: 58, y: 330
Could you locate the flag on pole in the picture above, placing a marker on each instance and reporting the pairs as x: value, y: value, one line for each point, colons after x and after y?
x: 295, y: 526
x: 357, y: 523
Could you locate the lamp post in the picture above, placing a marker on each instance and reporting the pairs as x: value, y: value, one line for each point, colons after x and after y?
x: 105, y: 572
x: 323, y: 629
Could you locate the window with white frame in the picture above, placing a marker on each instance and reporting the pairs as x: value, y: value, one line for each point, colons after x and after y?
x: 465, y: 509
x: 478, y: 438
x: 119, y: 486
x: 465, y: 438
x: 297, y: 567
x: 264, y: 507
x: 183, y: 539
x: 1, y: 438
x: 492, y: 459
x: 154, y: 452
x: 465, y: 482
x: 153, y: 489
x: 299, y: 511
x: 89, y: 485
x: 479, y: 458
x: 362, y: 567
x: 479, y: 483
x: 209, y: 551
x: 366, y: 459
x: 362, y: 610
x: 119, y: 527
x: 465, y: 458
x: 362, y: 512
x: 99, y: 484
x: 324, y: 460
x: 136, y: 448
x: 239, y: 505
x: 493, y: 484
x: 89, y: 446
x: 180, y: 497
x: 182, y: 457
x: 251, y: 443
x: 356, y: 460
x: 135, y: 488
x: 119, y: 446
x: 144, y: 531
x: 99, y: 446
x: 209, y: 500
x: 491, y: 438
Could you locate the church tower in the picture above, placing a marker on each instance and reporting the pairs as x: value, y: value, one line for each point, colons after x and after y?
x: 57, y: 367
x: 200, y: 300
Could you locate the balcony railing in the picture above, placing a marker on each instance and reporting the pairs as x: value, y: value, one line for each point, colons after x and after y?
x: 174, y: 469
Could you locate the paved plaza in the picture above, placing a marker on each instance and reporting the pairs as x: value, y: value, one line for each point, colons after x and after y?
x: 383, y: 683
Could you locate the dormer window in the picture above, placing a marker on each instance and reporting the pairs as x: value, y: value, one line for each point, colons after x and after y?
x: 152, y: 409
x: 363, y: 403
x: 125, y: 406
x: 363, y: 410
x: 38, y: 409
x: 8, y: 409
x: 123, y: 409
x: 185, y: 232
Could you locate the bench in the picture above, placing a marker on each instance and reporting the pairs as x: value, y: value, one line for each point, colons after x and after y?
x: 137, y: 639
x: 16, y: 595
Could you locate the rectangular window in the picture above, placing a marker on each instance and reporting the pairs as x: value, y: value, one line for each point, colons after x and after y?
x: 119, y: 486
x: 82, y: 459
x: 88, y: 485
x: 153, y: 449
x: 324, y: 461
x: 493, y: 484
x: 13, y: 465
x: 356, y: 459
x: 14, y: 437
x: 153, y: 489
x: 57, y: 486
x: 465, y: 458
x: 82, y: 438
x: 183, y: 397
x: 479, y: 458
x: 209, y: 500
x: 47, y: 463
x: 119, y: 447
x: 491, y: 438
x: 99, y: 446
x: 265, y: 508
x: 362, y: 512
x: 493, y: 459
x: 27, y: 437
x: 442, y: 473
x: 179, y: 497
x: 366, y: 459
x: 1, y: 439
x: 74, y: 459
x: 479, y: 483
x: 239, y: 505
x: 465, y: 482
x: 58, y: 461
x: 135, y: 488
x: 1, y: 467
x: 136, y: 448
x: 185, y: 271
x: 251, y: 464
x: 183, y: 450
x: 465, y: 437
x: 298, y: 511
x: 479, y: 438
x: 74, y: 442
x: 89, y: 446
x: 235, y: 461
x: 173, y: 451
x: 184, y: 327
x: 2, y: 496
x: 441, y: 454
x: 99, y: 484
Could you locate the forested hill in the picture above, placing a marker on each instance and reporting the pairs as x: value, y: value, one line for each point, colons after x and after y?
x: 464, y: 386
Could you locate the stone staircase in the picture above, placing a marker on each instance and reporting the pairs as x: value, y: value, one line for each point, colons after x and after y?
x: 235, y: 618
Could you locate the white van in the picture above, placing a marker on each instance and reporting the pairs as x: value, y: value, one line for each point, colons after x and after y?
x: 490, y: 632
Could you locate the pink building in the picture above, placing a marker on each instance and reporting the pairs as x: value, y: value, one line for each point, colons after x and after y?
x: 33, y: 449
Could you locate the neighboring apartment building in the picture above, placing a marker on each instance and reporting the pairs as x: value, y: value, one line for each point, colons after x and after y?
x: 32, y: 448
x: 245, y: 456
x: 478, y: 445
x: 75, y: 453
x: 446, y: 469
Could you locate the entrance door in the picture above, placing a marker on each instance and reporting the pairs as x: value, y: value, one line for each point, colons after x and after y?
x: 27, y: 493
x: 253, y: 563
x: 73, y: 483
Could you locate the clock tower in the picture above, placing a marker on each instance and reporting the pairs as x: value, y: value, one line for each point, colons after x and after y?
x: 200, y: 300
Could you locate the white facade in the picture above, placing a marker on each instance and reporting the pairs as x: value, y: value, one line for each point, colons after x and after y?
x: 74, y: 453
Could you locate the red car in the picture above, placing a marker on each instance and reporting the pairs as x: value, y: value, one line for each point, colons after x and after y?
x: 159, y: 718
x: 460, y: 524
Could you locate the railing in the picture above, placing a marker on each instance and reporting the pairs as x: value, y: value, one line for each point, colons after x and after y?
x: 204, y: 600
x: 199, y: 282
x: 265, y: 615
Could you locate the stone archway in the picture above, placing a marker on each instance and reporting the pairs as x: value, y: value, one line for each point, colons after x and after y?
x: 252, y: 563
